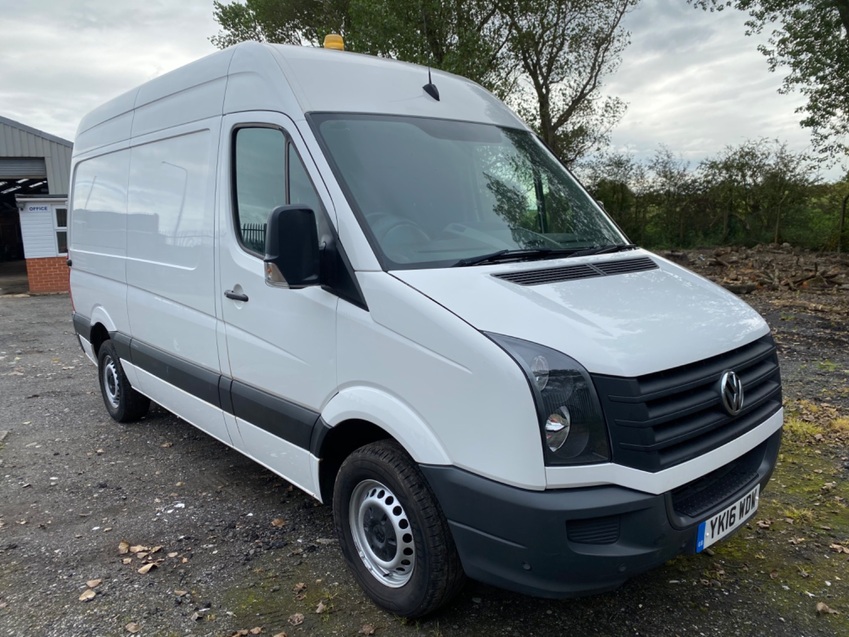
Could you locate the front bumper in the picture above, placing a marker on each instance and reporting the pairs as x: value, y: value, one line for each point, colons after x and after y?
x: 570, y: 542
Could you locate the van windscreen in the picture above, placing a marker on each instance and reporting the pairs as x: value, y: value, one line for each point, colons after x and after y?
x: 437, y: 193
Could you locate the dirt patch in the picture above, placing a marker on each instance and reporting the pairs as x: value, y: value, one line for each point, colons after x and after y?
x: 215, y: 544
x: 768, y: 267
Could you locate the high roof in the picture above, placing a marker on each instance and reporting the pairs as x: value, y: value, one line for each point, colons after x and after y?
x: 290, y: 79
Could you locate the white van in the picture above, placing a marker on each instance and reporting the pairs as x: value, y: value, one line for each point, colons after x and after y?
x: 377, y: 283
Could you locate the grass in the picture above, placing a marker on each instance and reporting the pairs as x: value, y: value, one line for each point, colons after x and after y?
x: 787, y: 549
x: 799, y: 516
x: 798, y: 430
x: 828, y: 366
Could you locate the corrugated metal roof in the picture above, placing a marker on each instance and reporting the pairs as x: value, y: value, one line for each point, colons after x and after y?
x: 34, y: 131
x: 27, y: 144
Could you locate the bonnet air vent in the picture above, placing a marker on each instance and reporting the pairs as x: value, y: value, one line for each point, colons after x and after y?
x: 575, y: 272
x: 626, y: 265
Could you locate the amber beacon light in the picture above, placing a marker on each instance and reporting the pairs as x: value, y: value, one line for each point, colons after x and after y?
x: 334, y: 41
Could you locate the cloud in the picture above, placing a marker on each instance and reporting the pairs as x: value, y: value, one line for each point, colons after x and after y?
x: 692, y: 79
x: 696, y: 83
x: 61, y: 59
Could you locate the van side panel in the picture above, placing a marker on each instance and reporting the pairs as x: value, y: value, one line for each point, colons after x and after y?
x: 106, y: 124
x: 98, y: 237
x: 195, y: 102
x: 170, y: 260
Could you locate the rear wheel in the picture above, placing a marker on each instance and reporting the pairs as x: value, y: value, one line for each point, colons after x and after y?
x: 122, y: 402
x: 393, y: 534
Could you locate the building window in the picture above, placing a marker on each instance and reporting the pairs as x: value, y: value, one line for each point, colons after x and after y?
x: 61, y: 226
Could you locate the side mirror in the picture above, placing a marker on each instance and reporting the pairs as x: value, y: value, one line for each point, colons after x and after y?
x: 291, y: 248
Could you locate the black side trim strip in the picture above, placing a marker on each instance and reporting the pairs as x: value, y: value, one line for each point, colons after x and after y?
x: 225, y: 387
x: 195, y: 380
x: 319, y: 433
x: 275, y: 415
x: 123, y: 345
x: 82, y: 326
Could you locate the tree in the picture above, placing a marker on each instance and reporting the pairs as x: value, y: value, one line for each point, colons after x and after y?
x: 826, y: 225
x: 281, y: 21
x: 564, y: 50
x: 810, y: 40
x: 756, y: 186
x: 547, y: 58
x: 457, y: 36
x: 671, y: 189
x: 619, y: 182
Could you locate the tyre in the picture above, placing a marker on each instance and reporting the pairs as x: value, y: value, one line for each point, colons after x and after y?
x: 393, y: 533
x: 122, y: 402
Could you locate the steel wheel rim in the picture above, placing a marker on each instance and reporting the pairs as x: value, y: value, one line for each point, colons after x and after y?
x: 111, y: 385
x: 382, y: 533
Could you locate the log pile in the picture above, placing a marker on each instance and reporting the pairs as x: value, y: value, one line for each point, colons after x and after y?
x: 768, y: 267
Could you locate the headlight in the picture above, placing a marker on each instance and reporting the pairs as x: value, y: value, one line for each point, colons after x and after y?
x: 571, y: 423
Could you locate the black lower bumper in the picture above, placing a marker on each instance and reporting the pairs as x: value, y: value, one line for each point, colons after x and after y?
x: 570, y: 542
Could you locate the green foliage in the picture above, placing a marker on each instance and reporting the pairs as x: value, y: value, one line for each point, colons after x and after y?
x: 547, y: 58
x: 283, y: 21
x: 671, y: 196
x: 754, y: 188
x: 459, y: 37
x: 810, y: 41
x: 456, y: 36
x: 619, y: 183
x: 757, y: 192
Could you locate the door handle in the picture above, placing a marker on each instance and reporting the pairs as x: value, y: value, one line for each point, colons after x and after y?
x: 236, y: 296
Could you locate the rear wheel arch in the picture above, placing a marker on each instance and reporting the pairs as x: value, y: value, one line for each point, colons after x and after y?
x: 122, y: 402
x: 99, y: 334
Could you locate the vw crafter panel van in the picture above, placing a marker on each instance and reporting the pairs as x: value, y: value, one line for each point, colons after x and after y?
x: 377, y: 283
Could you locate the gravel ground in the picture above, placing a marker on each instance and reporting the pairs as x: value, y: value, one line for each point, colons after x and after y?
x: 169, y: 532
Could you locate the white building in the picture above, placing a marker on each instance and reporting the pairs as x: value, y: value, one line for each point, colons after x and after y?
x: 34, y: 169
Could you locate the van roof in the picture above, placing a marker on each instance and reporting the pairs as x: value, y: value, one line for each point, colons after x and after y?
x: 290, y: 79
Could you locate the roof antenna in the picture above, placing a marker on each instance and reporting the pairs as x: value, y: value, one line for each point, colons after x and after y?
x: 430, y: 87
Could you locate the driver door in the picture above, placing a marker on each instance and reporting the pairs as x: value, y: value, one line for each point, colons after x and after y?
x: 280, y: 342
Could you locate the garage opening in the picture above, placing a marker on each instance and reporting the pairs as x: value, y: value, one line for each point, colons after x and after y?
x: 21, y: 177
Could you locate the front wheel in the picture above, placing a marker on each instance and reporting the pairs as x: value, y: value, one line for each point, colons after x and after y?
x: 122, y: 402
x: 393, y: 534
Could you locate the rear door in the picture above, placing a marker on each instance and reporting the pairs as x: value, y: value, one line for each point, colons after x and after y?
x: 280, y: 343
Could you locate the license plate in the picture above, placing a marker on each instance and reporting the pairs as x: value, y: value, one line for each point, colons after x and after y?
x: 726, y: 521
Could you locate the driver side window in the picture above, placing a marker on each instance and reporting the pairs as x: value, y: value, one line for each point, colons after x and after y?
x: 267, y: 173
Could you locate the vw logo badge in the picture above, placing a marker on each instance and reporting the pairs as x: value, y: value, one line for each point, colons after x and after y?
x: 731, y: 393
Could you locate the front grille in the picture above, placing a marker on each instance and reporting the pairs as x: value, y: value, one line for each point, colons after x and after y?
x: 579, y: 271
x: 660, y: 420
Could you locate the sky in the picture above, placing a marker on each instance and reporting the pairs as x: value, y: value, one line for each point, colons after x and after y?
x: 692, y: 80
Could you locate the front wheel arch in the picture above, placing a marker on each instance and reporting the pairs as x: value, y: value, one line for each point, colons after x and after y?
x: 337, y: 444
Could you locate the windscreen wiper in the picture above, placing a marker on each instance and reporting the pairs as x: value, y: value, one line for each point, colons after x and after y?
x: 603, y: 249
x: 520, y: 254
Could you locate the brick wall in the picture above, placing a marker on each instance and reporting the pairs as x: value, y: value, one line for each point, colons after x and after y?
x: 49, y: 274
